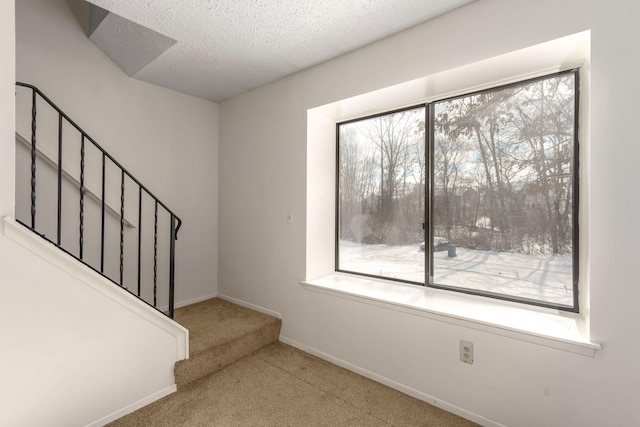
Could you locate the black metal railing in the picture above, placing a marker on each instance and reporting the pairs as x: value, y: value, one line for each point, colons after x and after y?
x: 85, y: 220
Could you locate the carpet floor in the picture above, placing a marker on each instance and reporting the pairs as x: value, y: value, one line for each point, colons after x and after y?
x: 279, y: 385
x: 221, y: 333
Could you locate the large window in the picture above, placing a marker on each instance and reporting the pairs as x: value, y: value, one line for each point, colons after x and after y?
x: 476, y: 193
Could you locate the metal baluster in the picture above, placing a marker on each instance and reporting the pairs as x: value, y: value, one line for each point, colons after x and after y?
x: 33, y: 159
x: 59, y: 235
x: 82, y: 198
x: 103, y: 210
x: 172, y: 257
x: 121, y: 226
x: 155, y: 255
x: 139, y: 235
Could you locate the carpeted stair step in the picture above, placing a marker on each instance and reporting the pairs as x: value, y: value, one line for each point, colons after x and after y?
x: 221, y: 333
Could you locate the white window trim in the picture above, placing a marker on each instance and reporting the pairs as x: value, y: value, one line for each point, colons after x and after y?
x: 552, y: 328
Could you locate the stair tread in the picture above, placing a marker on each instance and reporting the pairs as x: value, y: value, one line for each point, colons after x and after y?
x: 215, y: 321
x: 220, y: 333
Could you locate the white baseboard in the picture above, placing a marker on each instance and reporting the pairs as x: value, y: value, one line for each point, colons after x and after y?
x: 165, y: 308
x: 393, y: 384
x: 133, y: 407
x: 251, y: 306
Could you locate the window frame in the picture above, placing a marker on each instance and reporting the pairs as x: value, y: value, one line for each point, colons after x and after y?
x: 337, y: 191
x: 429, y: 136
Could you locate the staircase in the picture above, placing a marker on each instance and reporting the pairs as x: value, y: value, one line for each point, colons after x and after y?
x: 221, y: 333
x: 74, y: 200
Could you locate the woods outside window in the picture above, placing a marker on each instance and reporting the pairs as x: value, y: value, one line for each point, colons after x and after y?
x: 476, y: 193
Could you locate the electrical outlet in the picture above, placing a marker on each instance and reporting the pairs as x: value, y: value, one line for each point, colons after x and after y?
x: 466, y: 352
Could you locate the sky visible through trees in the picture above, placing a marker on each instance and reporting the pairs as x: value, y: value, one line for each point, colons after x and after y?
x: 501, y: 167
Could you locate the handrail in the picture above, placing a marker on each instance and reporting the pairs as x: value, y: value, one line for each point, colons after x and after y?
x: 79, y: 129
x: 124, y: 174
x: 69, y: 177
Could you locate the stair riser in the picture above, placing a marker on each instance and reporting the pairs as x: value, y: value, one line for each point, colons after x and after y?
x: 218, y: 356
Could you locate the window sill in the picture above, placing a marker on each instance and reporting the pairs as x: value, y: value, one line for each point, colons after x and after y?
x: 550, y: 328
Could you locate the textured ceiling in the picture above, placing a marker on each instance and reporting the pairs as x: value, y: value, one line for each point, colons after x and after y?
x: 226, y: 47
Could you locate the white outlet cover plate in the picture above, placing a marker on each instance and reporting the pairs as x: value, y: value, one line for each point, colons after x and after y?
x: 466, y: 352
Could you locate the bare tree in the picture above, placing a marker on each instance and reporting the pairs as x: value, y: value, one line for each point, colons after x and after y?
x: 448, y: 160
x: 545, y: 120
x: 397, y: 137
x: 523, y: 143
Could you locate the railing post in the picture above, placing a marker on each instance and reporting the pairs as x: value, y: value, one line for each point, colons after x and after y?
x: 172, y: 258
x: 139, y: 238
x: 103, y: 211
x: 155, y: 255
x: 33, y: 158
x: 59, y: 231
x: 121, y: 228
x: 81, y: 243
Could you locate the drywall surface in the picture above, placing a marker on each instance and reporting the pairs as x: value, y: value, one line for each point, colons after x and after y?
x: 70, y: 350
x: 7, y: 108
x: 263, y: 175
x: 167, y: 140
x: 76, y: 355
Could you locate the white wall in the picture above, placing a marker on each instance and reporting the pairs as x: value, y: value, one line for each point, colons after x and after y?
x: 168, y: 140
x: 263, y: 174
x: 79, y: 353
x: 7, y: 108
x: 70, y: 355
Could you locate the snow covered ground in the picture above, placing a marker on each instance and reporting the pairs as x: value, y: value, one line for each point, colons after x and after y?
x: 537, y: 277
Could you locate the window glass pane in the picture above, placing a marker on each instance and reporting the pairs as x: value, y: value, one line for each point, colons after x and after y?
x: 381, y: 196
x: 503, y: 191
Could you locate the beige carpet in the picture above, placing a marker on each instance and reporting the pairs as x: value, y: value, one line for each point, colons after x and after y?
x: 281, y: 386
x: 220, y: 333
